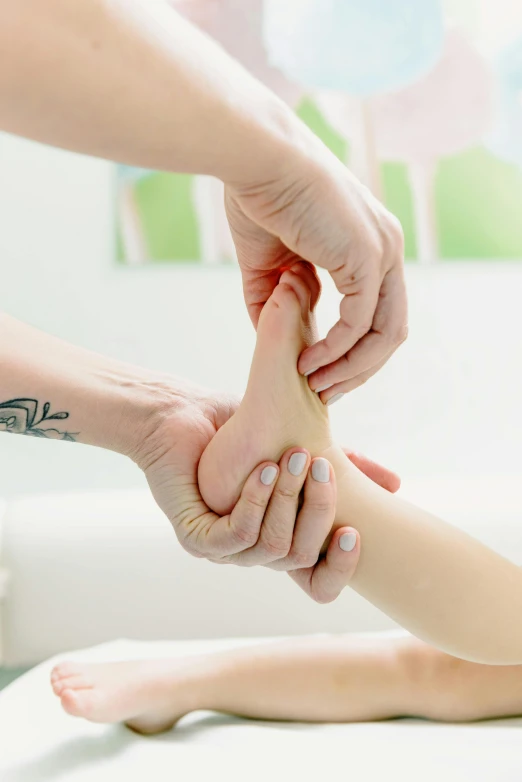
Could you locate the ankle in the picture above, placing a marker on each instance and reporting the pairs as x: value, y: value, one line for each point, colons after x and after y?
x: 201, y: 684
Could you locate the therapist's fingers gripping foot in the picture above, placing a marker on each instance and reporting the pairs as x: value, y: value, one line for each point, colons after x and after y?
x: 277, y: 530
x: 315, y: 518
x: 325, y: 582
x: 299, y: 516
x: 262, y: 524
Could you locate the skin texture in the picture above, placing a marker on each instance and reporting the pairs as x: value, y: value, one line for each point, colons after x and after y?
x: 428, y: 576
x: 52, y: 390
x: 322, y: 679
x: 145, y: 87
x: 133, y: 81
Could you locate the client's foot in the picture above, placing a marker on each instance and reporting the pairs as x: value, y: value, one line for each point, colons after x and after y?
x: 278, y: 410
x: 149, y: 696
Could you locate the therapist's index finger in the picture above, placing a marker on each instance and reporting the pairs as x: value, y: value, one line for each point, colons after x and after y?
x: 371, y: 351
x: 357, y: 311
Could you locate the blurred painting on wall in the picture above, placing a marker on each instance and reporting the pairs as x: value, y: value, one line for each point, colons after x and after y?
x: 421, y: 100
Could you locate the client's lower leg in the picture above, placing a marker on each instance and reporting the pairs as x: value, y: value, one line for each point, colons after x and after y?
x: 324, y: 679
x: 428, y: 576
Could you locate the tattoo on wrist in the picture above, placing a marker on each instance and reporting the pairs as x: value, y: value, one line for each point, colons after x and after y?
x: 21, y: 416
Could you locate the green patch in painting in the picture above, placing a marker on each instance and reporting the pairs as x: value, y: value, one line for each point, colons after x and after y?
x: 311, y: 115
x: 479, y: 207
x: 169, y: 221
x: 398, y: 199
x: 395, y: 181
x: 120, y: 255
x: 478, y: 204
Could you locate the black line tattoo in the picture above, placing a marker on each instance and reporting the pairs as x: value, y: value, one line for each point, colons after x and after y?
x: 20, y: 416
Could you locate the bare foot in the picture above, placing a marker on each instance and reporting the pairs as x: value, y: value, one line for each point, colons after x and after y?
x: 278, y: 410
x: 149, y: 696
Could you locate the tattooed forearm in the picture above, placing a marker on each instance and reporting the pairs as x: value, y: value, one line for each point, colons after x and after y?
x: 21, y: 416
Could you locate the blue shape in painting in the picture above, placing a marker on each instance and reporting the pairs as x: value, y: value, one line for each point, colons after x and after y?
x: 132, y: 173
x: 361, y: 47
x: 506, y: 139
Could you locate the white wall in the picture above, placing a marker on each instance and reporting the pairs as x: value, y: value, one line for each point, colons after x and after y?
x: 449, y: 402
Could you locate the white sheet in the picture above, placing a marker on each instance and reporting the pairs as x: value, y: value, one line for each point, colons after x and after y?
x: 39, y: 743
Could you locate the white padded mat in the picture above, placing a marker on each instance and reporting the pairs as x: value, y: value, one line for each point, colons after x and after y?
x: 39, y: 743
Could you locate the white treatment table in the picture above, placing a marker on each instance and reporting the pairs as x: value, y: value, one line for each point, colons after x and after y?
x: 40, y: 743
x: 81, y: 569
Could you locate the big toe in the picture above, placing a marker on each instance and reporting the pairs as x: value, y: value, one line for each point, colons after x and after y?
x: 76, y: 682
x: 287, y: 322
x: 303, y: 278
x: 64, y: 669
x: 79, y: 703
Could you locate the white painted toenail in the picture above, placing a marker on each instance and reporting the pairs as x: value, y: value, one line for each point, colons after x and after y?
x: 321, y: 471
x: 268, y: 475
x: 296, y: 463
x: 347, y: 542
x: 310, y: 372
x: 323, y: 388
x: 335, y: 399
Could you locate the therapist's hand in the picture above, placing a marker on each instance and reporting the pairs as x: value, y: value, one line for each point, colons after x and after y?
x: 169, y: 455
x: 326, y: 580
x: 313, y: 209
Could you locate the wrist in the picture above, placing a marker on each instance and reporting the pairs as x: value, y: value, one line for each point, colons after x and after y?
x: 269, y: 139
x: 147, y: 403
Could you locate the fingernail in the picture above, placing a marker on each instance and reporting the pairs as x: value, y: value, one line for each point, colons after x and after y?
x: 321, y: 471
x: 348, y: 541
x: 322, y: 388
x: 268, y: 475
x: 310, y: 372
x: 335, y: 399
x: 296, y: 463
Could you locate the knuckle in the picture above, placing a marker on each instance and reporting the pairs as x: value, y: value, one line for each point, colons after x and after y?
x: 189, y: 545
x: 393, y: 235
x: 397, y: 234
x: 398, y: 335
x: 286, y: 493
x: 276, y: 548
x: 331, y: 588
x: 254, y: 501
x: 245, y: 535
x: 402, y: 334
x: 302, y: 559
x: 321, y: 505
x: 365, y: 326
x: 323, y: 598
x: 221, y: 560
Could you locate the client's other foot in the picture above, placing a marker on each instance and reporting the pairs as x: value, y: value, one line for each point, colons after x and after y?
x: 149, y: 696
x: 278, y: 410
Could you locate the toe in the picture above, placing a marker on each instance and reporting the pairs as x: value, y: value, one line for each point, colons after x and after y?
x: 298, y: 288
x: 285, y: 297
x: 64, y: 669
x: 78, y: 703
x: 304, y: 280
x: 285, y: 313
x: 76, y: 682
